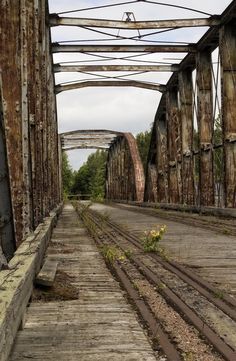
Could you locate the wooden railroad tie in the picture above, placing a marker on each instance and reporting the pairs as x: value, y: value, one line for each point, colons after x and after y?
x: 47, y: 274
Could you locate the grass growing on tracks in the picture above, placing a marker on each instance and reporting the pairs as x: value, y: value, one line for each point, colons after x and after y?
x: 112, y: 253
x: 152, y: 239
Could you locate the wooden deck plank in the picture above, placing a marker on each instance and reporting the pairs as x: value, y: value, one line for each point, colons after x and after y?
x: 99, y: 326
x: 47, y: 273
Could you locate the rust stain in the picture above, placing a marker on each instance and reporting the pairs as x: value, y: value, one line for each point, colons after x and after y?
x: 125, y: 176
x: 29, y: 112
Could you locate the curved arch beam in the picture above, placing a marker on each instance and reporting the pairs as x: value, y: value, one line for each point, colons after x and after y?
x: 107, y: 83
x: 88, y: 139
x: 85, y: 147
x: 125, y: 175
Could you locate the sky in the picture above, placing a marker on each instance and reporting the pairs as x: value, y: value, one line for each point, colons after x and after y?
x: 124, y: 108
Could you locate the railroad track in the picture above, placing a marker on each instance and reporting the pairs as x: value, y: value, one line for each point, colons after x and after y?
x: 108, y: 233
x: 221, y: 225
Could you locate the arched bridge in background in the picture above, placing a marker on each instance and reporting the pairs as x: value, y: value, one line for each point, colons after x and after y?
x: 124, y: 170
x: 192, y: 156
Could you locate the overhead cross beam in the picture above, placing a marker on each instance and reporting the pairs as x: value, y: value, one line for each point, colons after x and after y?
x: 86, y: 147
x: 167, y: 48
x: 91, y: 68
x: 55, y: 20
x: 109, y: 83
x: 88, y: 139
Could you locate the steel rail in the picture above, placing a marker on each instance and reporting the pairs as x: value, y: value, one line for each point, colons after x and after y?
x: 174, y: 299
x: 188, y: 276
x: 144, y: 311
x: 144, y: 209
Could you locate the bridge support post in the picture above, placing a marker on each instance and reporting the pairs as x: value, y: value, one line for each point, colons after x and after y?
x: 186, y: 111
x: 228, y: 64
x: 7, y: 232
x: 162, y: 161
x: 205, y: 127
x: 174, y: 147
x: 26, y: 166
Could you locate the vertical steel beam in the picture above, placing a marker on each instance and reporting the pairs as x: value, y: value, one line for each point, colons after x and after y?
x: 25, y: 40
x: 205, y: 127
x: 7, y: 236
x: 186, y: 111
x: 162, y: 160
x: 44, y: 112
x: 38, y: 120
x: 31, y: 64
x: 173, y: 140
x: 228, y: 67
x: 150, y: 194
x: 151, y: 187
x: 119, y: 171
x: 59, y: 189
x: 11, y: 79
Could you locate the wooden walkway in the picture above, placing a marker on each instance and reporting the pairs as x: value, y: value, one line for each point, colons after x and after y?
x: 211, y: 254
x: 99, y: 325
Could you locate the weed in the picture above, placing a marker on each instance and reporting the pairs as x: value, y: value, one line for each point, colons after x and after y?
x: 160, y: 286
x: 188, y: 356
x: 219, y: 294
x: 152, y: 239
x: 226, y: 231
x: 128, y: 253
x: 110, y: 253
x: 163, y: 253
x: 135, y: 285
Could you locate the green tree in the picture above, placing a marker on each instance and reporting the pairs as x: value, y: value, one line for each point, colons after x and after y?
x: 67, y: 174
x: 81, y: 181
x: 143, y: 142
x: 90, y: 178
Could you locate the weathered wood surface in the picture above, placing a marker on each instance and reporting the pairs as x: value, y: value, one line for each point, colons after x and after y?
x: 212, y: 254
x: 47, y: 273
x: 3, y: 261
x: 99, y: 325
x: 16, y: 283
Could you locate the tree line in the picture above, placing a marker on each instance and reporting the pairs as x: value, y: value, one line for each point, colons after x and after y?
x: 89, y: 179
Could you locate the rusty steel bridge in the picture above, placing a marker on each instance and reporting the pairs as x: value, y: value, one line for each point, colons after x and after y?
x: 191, y: 165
